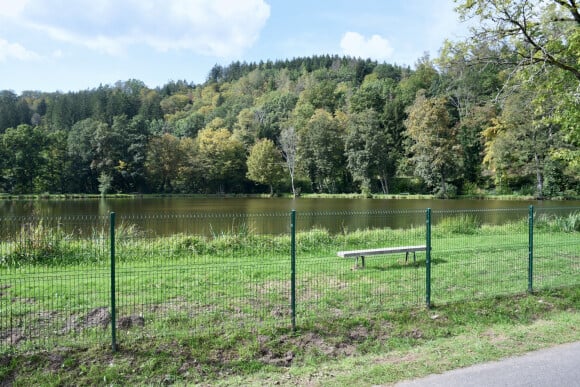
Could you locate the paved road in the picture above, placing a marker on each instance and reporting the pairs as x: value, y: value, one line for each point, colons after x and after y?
x: 553, y: 367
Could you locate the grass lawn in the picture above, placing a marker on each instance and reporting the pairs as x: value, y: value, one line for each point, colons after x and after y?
x: 194, y: 309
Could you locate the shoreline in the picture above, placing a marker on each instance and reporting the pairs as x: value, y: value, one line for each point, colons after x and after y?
x: 401, y: 196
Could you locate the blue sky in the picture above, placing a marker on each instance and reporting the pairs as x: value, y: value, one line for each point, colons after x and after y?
x: 66, y: 45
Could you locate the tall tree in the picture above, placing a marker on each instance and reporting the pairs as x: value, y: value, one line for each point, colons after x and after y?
x: 322, y: 149
x: 163, y: 161
x: 289, y: 143
x: 265, y: 164
x: 370, y: 151
x: 221, y: 157
x: 519, y: 146
x: 9, y: 117
x: 24, y: 147
x: 435, y: 151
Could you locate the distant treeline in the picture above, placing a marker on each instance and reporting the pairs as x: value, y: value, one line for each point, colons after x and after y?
x: 324, y: 124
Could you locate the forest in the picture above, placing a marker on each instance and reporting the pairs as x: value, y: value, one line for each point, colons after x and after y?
x: 498, y: 113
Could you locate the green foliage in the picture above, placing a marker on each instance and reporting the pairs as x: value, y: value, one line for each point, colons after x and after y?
x: 348, y: 117
x: 265, y: 164
x: 435, y: 148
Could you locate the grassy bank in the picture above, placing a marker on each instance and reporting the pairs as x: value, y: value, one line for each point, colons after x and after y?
x: 393, y: 346
x: 216, y: 309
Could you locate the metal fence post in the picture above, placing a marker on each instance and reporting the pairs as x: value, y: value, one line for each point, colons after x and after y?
x: 113, y: 306
x: 428, y: 259
x: 293, y: 267
x: 531, y: 249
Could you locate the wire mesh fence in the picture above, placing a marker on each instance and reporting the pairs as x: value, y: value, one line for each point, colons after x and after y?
x: 82, y: 281
x: 222, y: 277
x: 556, y: 247
x: 53, y: 282
x: 334, y: 288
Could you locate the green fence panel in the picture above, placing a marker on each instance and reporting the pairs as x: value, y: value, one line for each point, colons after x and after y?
x: 82, y: 282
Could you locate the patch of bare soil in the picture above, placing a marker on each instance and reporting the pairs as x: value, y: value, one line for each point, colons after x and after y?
x: 98, y: 317
x: 12, y: 337
x: 495, y: 338
x: 394, y: 359
x: 128, y: 322
x: 55, y: 361
x: 308, y: 343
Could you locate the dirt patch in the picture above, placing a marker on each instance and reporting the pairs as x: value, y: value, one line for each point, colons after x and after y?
x: 12, y: 337
x: 280, y: 311
x: 129, y: 322
x: 55, y: 361
x: 494, y: 338
x: 393, y: 359
x: 98, y: 317
x: 2, y: 288
x: 359, y: 333
x: 281, y: 351
x: 415, y: 334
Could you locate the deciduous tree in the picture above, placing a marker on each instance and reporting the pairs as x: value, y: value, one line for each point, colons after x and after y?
x: 265, y: 164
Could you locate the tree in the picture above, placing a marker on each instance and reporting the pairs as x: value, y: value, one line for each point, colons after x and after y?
x: 322, y: 150
x: 435, y: 151
x: 9, y: 117
x: 163, y: 161
x: 24, y: 147
x: 369, y: 151
x: 537, y: 43
x: 221, y: 157
x: 273, y: 112
x: 265, y: 164
x: 289, y: 143
x: 519, y: 144
x: 82, y: 152
x: 542, y: 32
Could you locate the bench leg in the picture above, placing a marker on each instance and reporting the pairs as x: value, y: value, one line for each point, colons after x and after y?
x: 362, y: 259
x: 414, y: 256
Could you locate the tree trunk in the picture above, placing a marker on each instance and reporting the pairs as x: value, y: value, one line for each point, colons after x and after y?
x: 539, y: 176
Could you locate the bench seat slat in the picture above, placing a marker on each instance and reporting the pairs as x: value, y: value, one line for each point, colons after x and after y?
x: 380, y: 251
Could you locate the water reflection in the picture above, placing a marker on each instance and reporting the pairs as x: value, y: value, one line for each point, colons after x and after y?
x: 272, y: 216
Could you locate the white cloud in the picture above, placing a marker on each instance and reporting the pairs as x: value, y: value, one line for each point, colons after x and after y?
x: 11, y: 8
x: 210, y: 27
x: 356, y: 45
x: 15, y: 51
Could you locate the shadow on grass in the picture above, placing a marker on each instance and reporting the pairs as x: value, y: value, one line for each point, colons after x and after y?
x: 420, y: 263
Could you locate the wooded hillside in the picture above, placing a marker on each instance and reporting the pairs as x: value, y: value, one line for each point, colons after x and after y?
x: 498, y: 113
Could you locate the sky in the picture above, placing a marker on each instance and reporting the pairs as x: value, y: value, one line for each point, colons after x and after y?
x: 72, y: 45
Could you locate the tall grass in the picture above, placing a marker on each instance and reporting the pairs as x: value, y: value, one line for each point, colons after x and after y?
x: 37, y: 244
x: 552, y: 223
x: 466, y: 224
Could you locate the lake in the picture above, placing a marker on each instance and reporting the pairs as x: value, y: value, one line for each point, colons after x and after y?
x: 166, y: 215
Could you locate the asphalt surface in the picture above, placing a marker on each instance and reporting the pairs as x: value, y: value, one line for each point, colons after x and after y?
x: 553, y: 367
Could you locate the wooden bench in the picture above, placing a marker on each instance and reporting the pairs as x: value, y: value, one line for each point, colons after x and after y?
x: 382, y: 251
